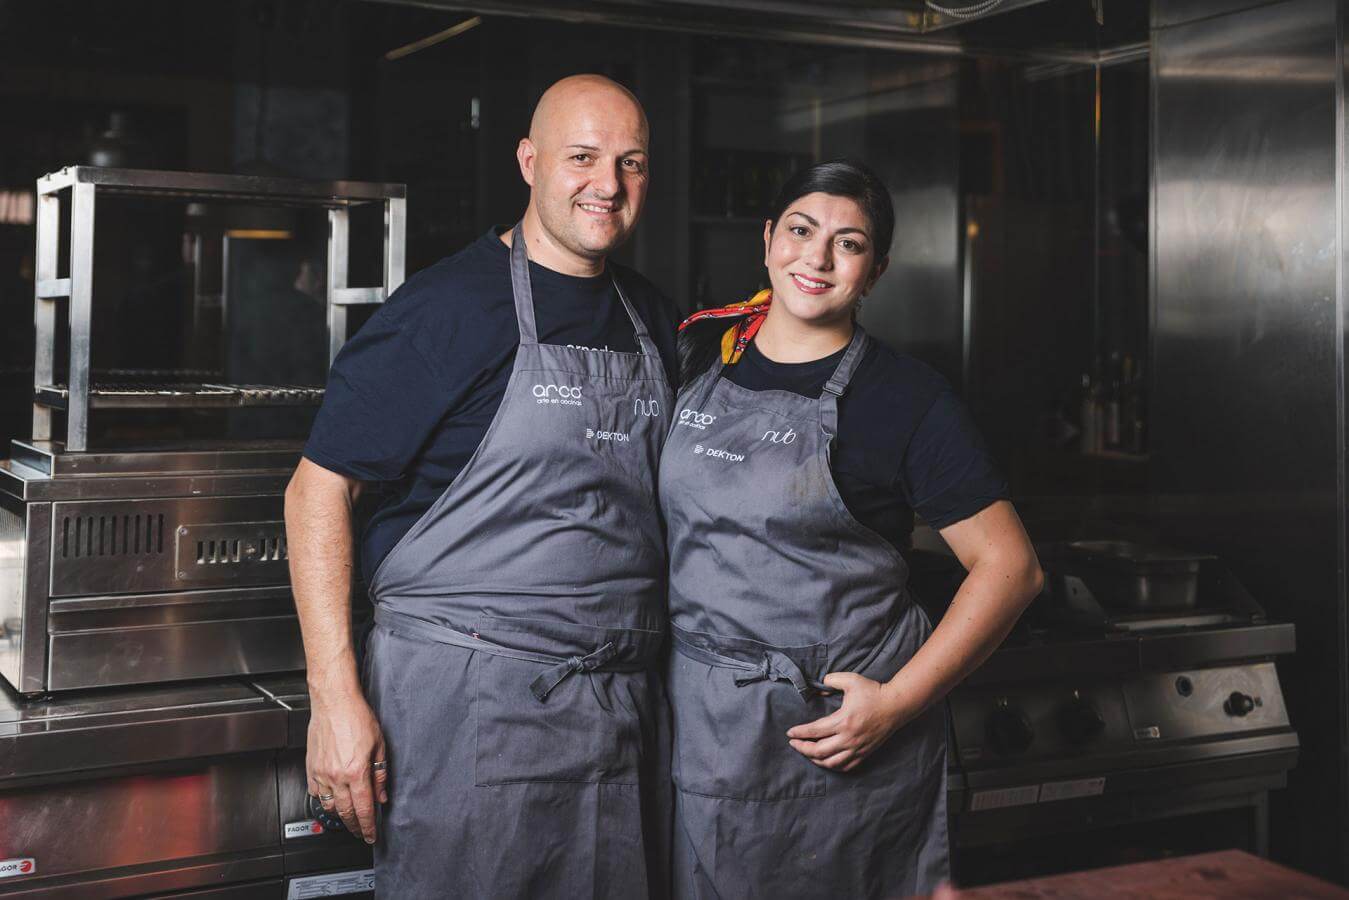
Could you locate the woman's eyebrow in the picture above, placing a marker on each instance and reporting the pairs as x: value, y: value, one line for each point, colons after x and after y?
x: 850, y: 229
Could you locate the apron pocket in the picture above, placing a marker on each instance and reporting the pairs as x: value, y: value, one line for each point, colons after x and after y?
x: 588, y: 730
x: 731, y: 740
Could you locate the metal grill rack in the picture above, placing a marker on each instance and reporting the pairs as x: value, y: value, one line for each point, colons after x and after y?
x: 78, y: 395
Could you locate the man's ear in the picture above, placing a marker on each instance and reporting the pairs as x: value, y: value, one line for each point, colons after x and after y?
x: 525, y: 155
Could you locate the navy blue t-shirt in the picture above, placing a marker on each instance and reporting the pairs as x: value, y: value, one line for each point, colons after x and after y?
x: 905, y: 441
x: 411, y: 395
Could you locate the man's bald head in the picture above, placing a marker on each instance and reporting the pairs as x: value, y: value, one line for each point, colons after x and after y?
x: 585, y: 161
x: 581, y: 97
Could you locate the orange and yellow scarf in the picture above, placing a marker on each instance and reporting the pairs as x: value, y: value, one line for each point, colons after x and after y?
x: 751, y: 314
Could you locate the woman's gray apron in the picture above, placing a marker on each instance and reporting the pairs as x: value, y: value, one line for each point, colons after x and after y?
x: 514, y: 666
x: 774, y: 584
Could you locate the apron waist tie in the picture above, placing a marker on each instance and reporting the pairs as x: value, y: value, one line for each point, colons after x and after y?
x: 550, y: 678
x: 559, y: 668
x: 774, y: 666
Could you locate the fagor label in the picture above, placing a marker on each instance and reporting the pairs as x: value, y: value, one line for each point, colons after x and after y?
x: 23, y: 865
x: 307, y: 828
x: 333, y: 885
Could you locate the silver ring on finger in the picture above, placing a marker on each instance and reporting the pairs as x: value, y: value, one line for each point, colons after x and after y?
x: 326, y: 798
x: 380, y: 766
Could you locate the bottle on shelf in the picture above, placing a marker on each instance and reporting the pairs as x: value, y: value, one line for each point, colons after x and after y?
x: 1089, y: 414
x: 1111, y: 438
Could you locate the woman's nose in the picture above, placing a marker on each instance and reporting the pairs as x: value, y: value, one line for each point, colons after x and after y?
x: 819, y: 256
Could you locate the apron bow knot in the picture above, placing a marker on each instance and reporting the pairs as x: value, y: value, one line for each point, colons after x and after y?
x: 551, y: 677
x: 776, y: 666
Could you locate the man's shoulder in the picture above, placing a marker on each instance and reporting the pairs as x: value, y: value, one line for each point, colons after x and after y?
x: 469, y: 282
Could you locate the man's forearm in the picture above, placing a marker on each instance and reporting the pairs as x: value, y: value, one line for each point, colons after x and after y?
x: 321, y: 548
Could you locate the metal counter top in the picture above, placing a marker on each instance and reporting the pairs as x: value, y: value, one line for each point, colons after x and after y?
x: 98, y: 730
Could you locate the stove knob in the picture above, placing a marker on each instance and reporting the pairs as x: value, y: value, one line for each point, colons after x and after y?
x: 1238, y: 704
x: 330, y: 821
x: 1008, y: 729
x: 1079, y: 720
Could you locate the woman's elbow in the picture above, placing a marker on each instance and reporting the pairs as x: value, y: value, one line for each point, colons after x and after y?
x: 1027, y: 577
x: 1035, y: 579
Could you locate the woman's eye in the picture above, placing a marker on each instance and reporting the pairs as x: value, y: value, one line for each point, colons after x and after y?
x: 800, y: 230
x: 850, y: 246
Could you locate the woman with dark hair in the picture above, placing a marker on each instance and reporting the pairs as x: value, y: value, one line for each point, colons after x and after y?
x: 810, y: 737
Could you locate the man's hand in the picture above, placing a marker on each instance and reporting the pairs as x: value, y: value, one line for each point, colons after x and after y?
x: 345, y: 743
x: 870, y: 713
x: 344, y: 739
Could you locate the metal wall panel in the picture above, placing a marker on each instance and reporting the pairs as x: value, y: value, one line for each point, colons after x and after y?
x: 1246, y: 457
x: 912, y: 140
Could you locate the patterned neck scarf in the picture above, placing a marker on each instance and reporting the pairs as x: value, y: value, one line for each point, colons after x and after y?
x: 750, y: 313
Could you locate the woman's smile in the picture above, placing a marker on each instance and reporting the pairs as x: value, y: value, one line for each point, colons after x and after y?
x: 811, y: 285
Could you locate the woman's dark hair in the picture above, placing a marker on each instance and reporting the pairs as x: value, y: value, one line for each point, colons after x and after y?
x: 700, y: 342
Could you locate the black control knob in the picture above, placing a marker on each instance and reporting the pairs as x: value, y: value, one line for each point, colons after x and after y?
x: 1008, y: 728
x: 1079, y: 720
x: 1238, y: 704
x: 330, y: 821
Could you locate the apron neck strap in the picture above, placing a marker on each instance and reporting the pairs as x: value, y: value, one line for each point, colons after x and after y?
x: 644, y: 341
x: 838, y: 382
x: 524, y: 294
x: 524, y: 297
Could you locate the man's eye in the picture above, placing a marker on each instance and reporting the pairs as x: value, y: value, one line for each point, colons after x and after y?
x: 582, y: 157
x: 633, y: 164
x: 800, y: 230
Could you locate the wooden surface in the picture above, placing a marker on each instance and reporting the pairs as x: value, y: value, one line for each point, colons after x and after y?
x: 1229, y: 874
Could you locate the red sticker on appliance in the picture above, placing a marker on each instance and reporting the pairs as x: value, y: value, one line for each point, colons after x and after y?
x: 23, y: 865
x: 307, y: 828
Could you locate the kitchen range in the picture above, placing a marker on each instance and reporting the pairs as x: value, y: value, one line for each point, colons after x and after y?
x: 144, y: 747
x: 1137, y: 697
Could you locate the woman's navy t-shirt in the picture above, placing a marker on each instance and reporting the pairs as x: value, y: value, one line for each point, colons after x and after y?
x: 905, y: 441
x: 411, y: 395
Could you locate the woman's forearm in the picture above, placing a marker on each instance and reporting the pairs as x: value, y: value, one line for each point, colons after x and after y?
x: 990, y: 600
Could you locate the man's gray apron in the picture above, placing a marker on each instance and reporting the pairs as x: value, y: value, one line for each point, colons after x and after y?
x: 514, y: 666
x: 774, y: 584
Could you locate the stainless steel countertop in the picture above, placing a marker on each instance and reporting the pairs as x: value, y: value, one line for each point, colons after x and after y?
x: 94, y: 730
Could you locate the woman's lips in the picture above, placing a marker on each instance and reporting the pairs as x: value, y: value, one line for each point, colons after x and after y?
x: 810, y: 285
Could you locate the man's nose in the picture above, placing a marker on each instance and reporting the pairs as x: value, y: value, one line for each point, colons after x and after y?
x: 606, y: 182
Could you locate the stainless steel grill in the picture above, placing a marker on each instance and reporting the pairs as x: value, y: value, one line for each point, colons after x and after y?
x: 146, y: 395
x: 134, y: 570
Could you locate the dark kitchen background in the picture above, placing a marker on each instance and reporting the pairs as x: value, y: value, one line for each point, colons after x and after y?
x: 1118, y: 237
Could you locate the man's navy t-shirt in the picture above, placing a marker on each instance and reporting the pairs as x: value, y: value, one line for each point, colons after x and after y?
x: 412, y: 394
x: 905, y: 441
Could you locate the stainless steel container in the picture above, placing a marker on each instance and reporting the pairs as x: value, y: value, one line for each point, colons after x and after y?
x: 1125, y: 575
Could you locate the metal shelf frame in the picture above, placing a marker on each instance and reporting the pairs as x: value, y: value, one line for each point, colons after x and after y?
x: 85, y: 183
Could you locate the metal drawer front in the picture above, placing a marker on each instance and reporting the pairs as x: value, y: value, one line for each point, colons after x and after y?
x: 176, y: 821
x: 128, y: 546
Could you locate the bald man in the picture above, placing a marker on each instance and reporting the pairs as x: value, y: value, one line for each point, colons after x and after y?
x: 508, y: 734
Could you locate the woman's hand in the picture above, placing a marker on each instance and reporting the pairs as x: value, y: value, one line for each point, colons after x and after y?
x: 870, y: 713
